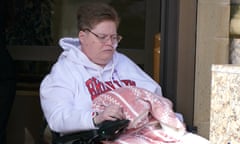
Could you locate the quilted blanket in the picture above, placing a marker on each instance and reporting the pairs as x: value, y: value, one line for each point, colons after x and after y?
x: 152, y: 119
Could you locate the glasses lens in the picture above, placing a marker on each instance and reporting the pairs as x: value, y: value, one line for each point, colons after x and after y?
x: 104, y: 38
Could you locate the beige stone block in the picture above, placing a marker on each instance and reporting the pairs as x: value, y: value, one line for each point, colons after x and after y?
x: 226, y: 2
x: 210, y: 50
x: 203, y: 129
x: 213, y: 20
x: 225, y: 108
x: 212, y: 47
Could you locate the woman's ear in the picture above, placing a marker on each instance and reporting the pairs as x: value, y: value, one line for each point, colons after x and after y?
x: 81, y: 35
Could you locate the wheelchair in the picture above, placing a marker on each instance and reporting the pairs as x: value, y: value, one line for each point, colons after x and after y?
x: 107, y: 131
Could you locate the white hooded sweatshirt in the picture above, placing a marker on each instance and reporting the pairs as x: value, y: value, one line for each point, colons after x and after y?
x: 66, y: 93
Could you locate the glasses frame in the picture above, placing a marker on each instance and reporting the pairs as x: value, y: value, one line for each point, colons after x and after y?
x: 106, y: 37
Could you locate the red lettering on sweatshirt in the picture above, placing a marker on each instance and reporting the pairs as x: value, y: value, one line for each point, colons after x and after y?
x: 129, y: 82
x: 96, y: 87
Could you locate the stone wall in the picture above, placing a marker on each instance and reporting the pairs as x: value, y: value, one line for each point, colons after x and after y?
x: 212, y: 47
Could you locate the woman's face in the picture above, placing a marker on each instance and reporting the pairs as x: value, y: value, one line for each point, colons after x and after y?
x: 99, y: 43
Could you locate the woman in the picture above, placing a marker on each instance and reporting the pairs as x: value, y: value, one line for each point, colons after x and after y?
x: 91, y: 82
x: 88, y: 67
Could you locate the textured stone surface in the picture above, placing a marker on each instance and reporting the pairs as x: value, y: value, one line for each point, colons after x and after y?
x: 225, y: 104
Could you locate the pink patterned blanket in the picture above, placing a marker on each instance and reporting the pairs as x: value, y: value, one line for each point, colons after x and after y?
x: 152, y: 119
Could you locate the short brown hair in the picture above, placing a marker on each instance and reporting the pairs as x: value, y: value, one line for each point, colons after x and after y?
x: 90, y: 14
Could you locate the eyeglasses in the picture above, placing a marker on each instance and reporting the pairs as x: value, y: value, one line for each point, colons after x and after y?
x: 115, y: 38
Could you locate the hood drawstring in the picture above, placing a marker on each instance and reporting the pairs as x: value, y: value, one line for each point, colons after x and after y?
x: 101, y: 79
x: 116, y: 76
x: 113, y: 77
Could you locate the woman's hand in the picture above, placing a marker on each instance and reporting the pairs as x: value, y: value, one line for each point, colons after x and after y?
x: 111, y: 112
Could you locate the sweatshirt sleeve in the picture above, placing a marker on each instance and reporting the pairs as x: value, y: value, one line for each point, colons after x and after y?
x: 57, y: 96
x: 135, y: 73
x: 145, y: 81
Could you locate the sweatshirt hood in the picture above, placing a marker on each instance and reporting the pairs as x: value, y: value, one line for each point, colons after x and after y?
x: 69, y: 43
x: 72, y: 52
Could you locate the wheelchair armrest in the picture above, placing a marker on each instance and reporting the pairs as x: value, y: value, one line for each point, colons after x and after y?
x: 78, y: 136
x: 108, y: 130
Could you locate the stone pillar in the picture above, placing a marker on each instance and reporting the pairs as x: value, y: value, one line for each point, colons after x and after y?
x: 212, y: 47
x: 225, y: 104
